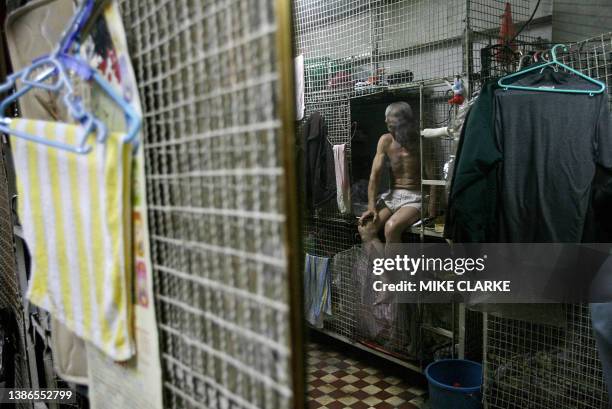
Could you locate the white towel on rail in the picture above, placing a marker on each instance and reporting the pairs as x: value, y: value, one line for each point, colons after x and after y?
x: 343, y: 182
x: 299, y: 87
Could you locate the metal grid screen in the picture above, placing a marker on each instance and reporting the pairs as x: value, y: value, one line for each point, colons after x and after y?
x: 437, y: 151
x: 487, y: 57
x: 10, y: 292
x: 593, y: 57
x: 209, y: 85
x: 529, y: 365
x: 357, y: 47
x: 536, y: 366
x: 361, y: 52
x: 547, y: 366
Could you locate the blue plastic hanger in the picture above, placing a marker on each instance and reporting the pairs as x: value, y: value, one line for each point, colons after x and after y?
x: 76, y: 110
x: 555, y: 63
x: 57, y: 65
x: 76, y: 25
x: 132, y: 118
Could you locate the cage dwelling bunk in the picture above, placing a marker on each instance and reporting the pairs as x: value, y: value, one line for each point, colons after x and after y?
x: 407, y: 50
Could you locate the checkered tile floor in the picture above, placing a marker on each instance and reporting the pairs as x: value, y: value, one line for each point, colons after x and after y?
x: 340, y: 378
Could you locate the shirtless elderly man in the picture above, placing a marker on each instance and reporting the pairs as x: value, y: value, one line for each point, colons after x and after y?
x: 400, y: 207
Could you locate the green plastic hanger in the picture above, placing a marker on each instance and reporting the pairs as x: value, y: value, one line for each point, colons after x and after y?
x: 556, y: 63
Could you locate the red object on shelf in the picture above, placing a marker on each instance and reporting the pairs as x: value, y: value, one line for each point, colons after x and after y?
x: 457, y: 99
x: 507, y: 32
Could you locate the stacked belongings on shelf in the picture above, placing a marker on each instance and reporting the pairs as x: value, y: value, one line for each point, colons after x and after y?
x: 74, y: 196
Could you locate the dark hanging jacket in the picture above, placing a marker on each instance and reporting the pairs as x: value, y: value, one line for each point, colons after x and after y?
x: 319, y: 163
x: 474, y: 195
x: 525, y: 169
x: 536, y: 167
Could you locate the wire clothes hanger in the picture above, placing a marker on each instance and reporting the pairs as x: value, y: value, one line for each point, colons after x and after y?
x: 556, y: 64
x: 353, y: 132
x: 75, y: 109
x: 58, y: 65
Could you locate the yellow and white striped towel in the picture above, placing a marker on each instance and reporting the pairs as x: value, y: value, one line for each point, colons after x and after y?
x: 76, y: 215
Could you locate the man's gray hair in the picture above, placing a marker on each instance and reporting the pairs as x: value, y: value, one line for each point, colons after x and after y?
x: 402, y: 124
x: 401, y: 109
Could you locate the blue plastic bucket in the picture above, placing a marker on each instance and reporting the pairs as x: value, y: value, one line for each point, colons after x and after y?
x: 454, y: 384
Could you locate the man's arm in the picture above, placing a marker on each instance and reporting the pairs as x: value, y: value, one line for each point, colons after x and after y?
x: 377, y: 166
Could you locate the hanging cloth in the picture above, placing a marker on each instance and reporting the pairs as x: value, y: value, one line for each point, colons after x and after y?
x: 319, y: 163
x: 75, y: 212
x: 474, y: 192
x: 552, y: 144
x: 317, y: 289
x: 69, y: 356
x: 299, y: 87
x: 343, y: 182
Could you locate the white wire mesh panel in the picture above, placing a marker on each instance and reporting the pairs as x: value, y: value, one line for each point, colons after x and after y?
x: 593, y: 57
x: 490, y: 57
x: 485, y: 15
x: 358, y: 47
x: 354, y: 51
x: 9, y: 286
x: 543, y: 366
x: 10, y: 293
x: 423, y: 37
x: 209, y: 85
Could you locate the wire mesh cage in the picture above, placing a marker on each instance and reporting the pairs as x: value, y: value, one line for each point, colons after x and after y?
x: 438, y: 153
x: 531, y: 365
x: 491, y: 53
x: 548, y: 366
x: 359, y: 56
x: 209, y: 84
x: 214, y: 171
x: 11, y: 297
x: 361, y: 46
x: 10, y: 293
x: 593, y: 57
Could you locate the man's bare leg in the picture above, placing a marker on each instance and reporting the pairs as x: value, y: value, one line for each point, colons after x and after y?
x: 384, y: 215
x: 400, y: 221
x: 369, y: 231
x: 395, y: 226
